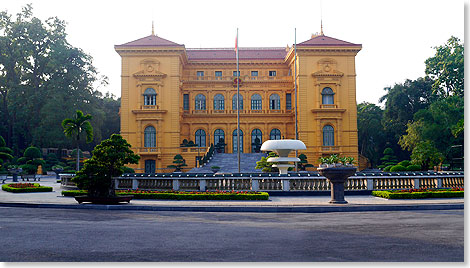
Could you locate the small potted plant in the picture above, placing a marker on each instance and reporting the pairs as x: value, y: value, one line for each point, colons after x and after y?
x: 215, y: 169
x: 347, y: 161
x: 337, y: 170
x: 15, y: 170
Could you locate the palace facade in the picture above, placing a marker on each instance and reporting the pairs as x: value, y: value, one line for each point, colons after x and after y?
x: 172, y: 95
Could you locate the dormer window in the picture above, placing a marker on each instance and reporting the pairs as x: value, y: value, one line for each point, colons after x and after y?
x: 150, y: 97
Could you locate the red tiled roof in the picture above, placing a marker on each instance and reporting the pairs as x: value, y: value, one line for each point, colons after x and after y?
x: 323, y: 40
x: 151, y: 40
x: 243, y: 54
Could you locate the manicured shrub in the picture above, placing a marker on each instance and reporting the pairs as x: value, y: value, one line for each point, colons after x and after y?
x: 419, y: 193
x: 397, y: 168
x: 413, y: 168
x: 74, y: 192
x: 387, y: 168
x: 175, y: 195
x: 405, y: 163
x: 25, y: 188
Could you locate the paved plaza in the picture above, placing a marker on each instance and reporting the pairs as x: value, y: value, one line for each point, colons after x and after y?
x: 31, y: 234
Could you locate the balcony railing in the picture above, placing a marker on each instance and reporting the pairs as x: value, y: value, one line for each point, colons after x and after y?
x: 246, y: 78
x: 234, y: 111
x: 330, y: 148
x: 148, y: 150
x: 150, y: 107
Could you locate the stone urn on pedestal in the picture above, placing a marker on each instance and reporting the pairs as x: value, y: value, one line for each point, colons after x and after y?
x: 15, y: 172
x: 283, y: 148
x: 337, y: 174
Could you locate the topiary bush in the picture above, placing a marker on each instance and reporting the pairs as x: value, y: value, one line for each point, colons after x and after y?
x: 387, y: 168
x: 405, y: 163
x: 397, y: 168
x: 31, y: 160
x: 413, y: 168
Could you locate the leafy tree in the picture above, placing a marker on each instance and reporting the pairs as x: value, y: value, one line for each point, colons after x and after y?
x: 178, y: 162
x: 437, y: 124
x: 402, y: 101
x: 446, y: 68
x: 458, y: 128
x: 40, y: 74
x: 73, y: 127
x: 371, y: 134
x: 108, y: 161
x: 5, y: 153
x: 426, y: 155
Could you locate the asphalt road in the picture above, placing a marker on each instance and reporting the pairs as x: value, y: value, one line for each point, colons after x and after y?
x: 48, y: 235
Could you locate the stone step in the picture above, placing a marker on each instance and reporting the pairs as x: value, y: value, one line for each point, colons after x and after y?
x: 228, y: 163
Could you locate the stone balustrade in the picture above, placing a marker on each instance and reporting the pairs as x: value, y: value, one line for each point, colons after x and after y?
x: 287, y: 182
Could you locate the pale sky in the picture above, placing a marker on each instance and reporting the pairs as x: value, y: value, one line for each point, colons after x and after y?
x: 397, y: 36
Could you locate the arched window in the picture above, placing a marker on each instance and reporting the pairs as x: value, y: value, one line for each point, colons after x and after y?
x: 328, y: 136
x: 234, y: 102
x: 274, y: 102
x: 256, y: 140
x: 275, y: 134
x: 150, y: 96
x: 200, y: 102
x: 256, y: 102
x: 219, y: 102
x: 235, y: 142
x: 219, y: 140
x: 327, y: 96
x: 200, y: 138
x: 150, y: 137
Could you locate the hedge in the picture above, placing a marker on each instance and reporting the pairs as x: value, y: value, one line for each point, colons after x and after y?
x: 184, y: 195
x: 36, y: 188
x: 418, y: 195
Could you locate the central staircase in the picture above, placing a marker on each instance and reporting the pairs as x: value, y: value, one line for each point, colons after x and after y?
x: 228, y: 163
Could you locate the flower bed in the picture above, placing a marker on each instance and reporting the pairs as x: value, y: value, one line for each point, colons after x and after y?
x: 181, y: 195
x: 420, y: 193
x: 25, y: 188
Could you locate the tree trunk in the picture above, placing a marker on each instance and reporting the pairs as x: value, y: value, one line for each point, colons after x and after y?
x: 78, y: 157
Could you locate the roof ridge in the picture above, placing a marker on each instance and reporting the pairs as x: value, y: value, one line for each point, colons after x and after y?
x: 240, y: 48
x: 151, y: 40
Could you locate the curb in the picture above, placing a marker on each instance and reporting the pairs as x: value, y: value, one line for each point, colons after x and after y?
x: 258, y: 209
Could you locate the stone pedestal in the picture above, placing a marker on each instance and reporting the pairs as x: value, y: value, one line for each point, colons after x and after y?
x: 337, y: 177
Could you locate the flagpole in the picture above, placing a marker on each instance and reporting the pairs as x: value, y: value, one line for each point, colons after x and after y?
x: 295, y: 92
x: 238, y: 106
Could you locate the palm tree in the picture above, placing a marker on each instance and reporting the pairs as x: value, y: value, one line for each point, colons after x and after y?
x: 73, y: 127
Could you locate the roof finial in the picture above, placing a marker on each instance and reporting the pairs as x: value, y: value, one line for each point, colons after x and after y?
x: 153, y: 30
x: 321, y: 17
x: 321, y: 29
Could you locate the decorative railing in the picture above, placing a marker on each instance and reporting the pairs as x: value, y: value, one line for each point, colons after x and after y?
x: 244, y: 78
x: 288, y: 182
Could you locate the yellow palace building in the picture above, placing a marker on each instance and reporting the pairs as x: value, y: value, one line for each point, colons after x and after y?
x: 172, y: 95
